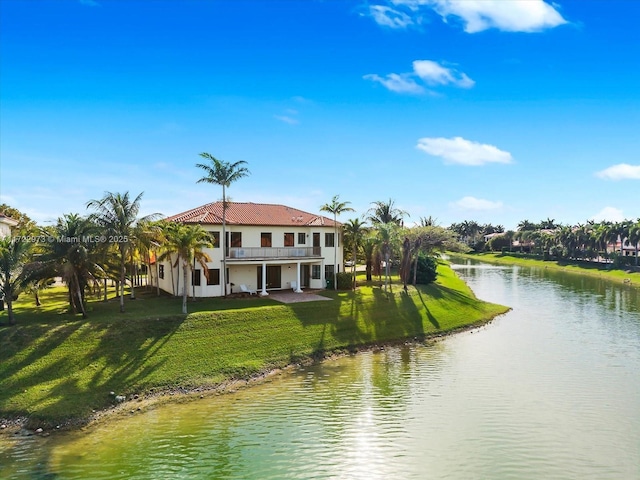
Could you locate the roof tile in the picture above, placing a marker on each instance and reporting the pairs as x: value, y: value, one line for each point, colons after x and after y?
x: 252, y: 214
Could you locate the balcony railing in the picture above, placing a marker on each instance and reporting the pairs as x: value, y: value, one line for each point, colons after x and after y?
x: 273, y: 252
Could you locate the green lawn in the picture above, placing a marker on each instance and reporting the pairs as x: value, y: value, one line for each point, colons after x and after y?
x: 580, y: 268
x: 56, y: 367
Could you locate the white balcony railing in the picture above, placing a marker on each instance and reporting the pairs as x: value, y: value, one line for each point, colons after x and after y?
x: 246, y: 253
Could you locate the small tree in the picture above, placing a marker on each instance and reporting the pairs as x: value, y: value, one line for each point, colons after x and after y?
x: 14, y: 260
x: 336, y: 207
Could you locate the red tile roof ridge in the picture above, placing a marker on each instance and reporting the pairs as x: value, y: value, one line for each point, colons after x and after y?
x: 251, y: 213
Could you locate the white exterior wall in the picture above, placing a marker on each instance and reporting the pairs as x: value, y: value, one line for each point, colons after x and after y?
x: 245, y: 272
x: 5, y: 230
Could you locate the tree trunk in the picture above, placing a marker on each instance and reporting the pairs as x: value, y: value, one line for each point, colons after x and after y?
x: 37, y: 297
x: 157, y: 275
x: 184, y: 288
x: 133, y: 281
x: 123, y: 274
x: 335, y: 252
x: 173, y: 284
x: 80, y: 299
x: 9, y: 300
x: 386, y: 269
x: 355, y: 252
x: 223, y: 274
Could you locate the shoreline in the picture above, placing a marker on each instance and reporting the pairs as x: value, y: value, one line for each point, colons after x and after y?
x: 137, y: 404
x: 622, y: 277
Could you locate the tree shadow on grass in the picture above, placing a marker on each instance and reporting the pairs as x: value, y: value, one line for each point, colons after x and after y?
x: 430, y: 316
x: 117, y: 356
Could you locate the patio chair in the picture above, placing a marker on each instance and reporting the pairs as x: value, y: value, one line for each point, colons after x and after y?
x: 245, y: 289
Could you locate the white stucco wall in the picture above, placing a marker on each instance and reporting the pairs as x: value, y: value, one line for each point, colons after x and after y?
x: 241, y: 272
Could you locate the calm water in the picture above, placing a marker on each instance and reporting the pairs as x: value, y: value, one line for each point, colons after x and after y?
x: 549, y: 391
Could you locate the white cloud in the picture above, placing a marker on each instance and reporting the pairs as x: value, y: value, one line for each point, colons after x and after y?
x: 476, y: 204
x: 479, y: 15
x: 463, y: 152
x: 512, y: 16
x: 435, y: 74
x: 287, y: 119
x: 610, y: 214
x: 621, y: 171
x: 396, y: 83
x: 388, y: 17
x: 430, y: 72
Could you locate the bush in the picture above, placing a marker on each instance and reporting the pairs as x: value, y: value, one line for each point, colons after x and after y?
x: 499, y: 243
x: 345, y: 281
x: 427, y: 267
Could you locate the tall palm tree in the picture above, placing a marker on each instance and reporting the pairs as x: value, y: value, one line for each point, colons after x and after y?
x: 336, y: 207
x: 222, y: 173
x: 15, y: 257
x: 117, y: 215
x: 386, y: 212
x: 188, y: 241
x: 354, y: 231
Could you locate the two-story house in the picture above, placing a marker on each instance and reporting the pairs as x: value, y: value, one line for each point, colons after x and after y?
x: 269, y: 247
x: 6, y: 225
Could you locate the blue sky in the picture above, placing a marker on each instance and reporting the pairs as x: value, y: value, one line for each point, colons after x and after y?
x: 491, y: 110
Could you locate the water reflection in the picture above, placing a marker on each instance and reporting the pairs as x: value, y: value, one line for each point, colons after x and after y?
x: 550, y: 390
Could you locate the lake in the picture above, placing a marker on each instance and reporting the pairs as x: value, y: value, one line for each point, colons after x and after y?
x: 551, y: 390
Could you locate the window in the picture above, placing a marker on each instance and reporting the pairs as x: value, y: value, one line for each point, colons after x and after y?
x: 302, y: 239
x: 328, y: 240
x: 288, y: 240
x: 214, y: 276
x: 195, y: 277
x: 236, y: 239
x: 161, y: 271
x: 215, y: 239
x: 265, y: 239
x: 328, y: 272
x: 315, y: 272
x: 316, y: 239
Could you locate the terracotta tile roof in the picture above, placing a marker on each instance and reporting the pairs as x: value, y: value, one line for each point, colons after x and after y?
x: 252, y: 214
x: 8, y: 220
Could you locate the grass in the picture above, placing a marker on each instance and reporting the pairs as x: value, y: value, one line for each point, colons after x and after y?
x: 57, y: 368
x: 580, y: 268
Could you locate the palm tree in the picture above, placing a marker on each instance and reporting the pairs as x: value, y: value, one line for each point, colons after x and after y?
x: 74, y: 256
x: 386, y: 212
x: 222, y: 173
x: 634, y: 237
x: 428, y: 221
x: 188, y: 241
x: 336, y: 207
x: 368, y: 249
x: 387, y: 238
x: 15, y: 257
x: 354, y: 230
x: 526, y: 225
x: 117, y: 215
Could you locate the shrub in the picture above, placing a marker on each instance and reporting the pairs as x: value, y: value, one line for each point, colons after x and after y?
x: 345, y: 281
x: 501, y: 242
x: 427, y: 267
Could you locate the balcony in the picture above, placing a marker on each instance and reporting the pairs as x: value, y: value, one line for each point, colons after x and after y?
x: 252, y: 253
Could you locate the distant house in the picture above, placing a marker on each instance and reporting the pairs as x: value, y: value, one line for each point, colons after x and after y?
x: 6, y: 225
x: 269, y: 247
